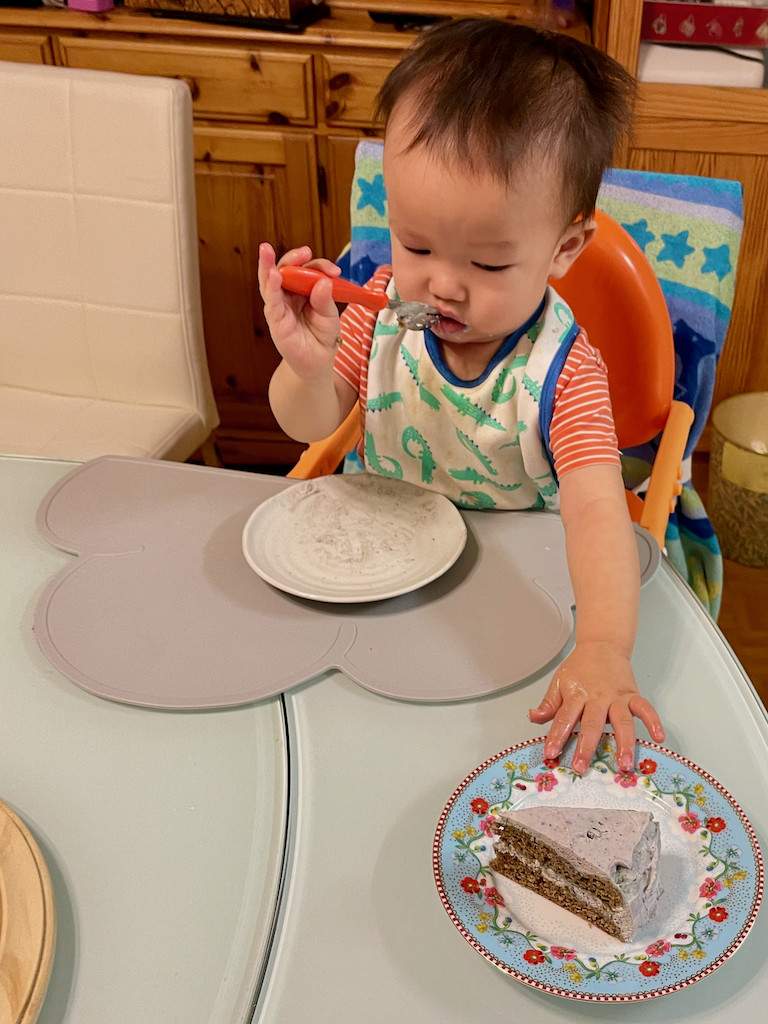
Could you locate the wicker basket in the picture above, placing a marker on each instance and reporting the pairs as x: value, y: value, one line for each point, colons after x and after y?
x: 282, y: 9
x: 738, y: 477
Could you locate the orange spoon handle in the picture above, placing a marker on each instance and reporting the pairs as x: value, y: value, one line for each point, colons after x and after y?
x: 301, y: 281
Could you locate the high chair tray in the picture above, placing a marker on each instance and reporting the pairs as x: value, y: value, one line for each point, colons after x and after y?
x: 161, y: 609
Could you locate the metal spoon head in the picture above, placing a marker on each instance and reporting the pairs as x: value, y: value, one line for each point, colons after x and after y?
x: 415, y: 316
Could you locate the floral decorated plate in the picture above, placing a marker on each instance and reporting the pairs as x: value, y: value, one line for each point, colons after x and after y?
x: 711, y: 873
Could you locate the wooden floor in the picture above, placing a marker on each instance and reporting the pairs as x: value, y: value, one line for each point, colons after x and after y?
x: 744, y: 611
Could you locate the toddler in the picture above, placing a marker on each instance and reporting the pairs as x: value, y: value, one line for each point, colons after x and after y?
x: 496, y: 139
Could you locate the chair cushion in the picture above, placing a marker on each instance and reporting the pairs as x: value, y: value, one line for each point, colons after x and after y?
x: 36, y: 423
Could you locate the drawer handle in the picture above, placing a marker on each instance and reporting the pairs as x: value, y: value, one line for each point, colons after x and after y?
x: 332, y: 110
x: 194, y: 88
x: 254, y: 63
x: 340, y: 81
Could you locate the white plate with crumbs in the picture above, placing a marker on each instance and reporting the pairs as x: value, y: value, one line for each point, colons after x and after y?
x: 359, y: 537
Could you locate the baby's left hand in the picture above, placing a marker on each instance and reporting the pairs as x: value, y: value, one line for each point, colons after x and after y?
x: 595, y: 685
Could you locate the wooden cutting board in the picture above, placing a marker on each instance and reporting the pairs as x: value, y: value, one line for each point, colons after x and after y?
x: 27, y: 922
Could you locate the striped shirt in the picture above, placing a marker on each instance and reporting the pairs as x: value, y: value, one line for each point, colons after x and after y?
x: 581, y: 432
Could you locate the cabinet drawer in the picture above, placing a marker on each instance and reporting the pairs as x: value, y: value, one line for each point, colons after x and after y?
x: 348, y: 87
x: 26, y: 49
x: 236, y: 83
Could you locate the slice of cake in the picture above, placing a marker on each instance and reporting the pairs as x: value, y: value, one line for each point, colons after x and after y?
x: 599, y: 863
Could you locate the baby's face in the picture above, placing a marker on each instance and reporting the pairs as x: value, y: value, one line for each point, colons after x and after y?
x: 478, y: 251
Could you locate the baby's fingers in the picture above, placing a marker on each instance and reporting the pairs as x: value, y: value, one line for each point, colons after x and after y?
x: 623, y: 725
x: 299, y: 257
x: 550, y: 704
x: 267, y: 261
x: 302, y: 257
x: 562, y: 727
x: 646, y: 712
x: 322, y: 303
x: 270, y: 282
x: 327, y: 266
x: 590, y: 733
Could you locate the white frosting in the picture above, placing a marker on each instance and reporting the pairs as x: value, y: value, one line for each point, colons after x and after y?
x: 619, y: 846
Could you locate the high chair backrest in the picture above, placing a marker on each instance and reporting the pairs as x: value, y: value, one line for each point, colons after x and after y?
x: 617, y: 299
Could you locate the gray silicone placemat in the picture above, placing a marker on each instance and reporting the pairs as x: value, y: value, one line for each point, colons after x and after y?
x: 161, y: 609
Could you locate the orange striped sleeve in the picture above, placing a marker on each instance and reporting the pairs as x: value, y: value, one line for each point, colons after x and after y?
x: 357, y: 325
x: 582, y: 432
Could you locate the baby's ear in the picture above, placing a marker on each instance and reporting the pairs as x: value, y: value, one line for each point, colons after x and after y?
x: 572, y: 244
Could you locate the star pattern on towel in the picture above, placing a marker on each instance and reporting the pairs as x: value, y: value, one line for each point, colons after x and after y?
x: 676, y: 249
x: 717, y: 261
x: 640, y: 233
x: 695, y: 355
x: 372, y: 194
x: 363, y: 270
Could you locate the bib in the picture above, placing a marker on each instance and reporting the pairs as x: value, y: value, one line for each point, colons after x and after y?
x: 482, y: 443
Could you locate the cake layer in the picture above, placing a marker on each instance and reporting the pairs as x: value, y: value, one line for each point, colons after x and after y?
x: 599, y: 863
x: 613, y: 921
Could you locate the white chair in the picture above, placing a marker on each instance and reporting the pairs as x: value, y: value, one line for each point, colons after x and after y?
x: 101, y: 338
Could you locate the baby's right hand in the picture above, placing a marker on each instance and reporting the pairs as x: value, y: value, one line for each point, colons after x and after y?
x: 305, y: 330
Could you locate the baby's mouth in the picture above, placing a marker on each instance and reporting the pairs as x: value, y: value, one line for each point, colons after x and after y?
x: 448, y: 325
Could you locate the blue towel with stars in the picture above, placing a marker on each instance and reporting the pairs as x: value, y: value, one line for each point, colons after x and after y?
x: 690, y: 230
x: 369, y: 239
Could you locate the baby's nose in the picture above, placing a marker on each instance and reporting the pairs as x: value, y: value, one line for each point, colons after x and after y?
x: 445, y: 283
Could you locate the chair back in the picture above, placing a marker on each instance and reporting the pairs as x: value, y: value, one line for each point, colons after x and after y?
x: 102, y: 348
x: 616, y: 297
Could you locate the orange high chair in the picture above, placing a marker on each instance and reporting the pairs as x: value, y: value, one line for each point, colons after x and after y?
x: 616, y: 297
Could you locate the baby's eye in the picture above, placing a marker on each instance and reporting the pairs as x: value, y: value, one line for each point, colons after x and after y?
x: 491, y: 268
x: 416, y: 252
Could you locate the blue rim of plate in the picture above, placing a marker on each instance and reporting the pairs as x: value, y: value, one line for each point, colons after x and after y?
x: 723, y: 845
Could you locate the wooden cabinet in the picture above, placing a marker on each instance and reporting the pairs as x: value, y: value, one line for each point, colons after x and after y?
x: 277, y: 120
x: 336, y: 155
x: 251, y: 185
x: 717, y: 132
x: 348, y: 87
x: 26, y: 48
x: 228, y: 82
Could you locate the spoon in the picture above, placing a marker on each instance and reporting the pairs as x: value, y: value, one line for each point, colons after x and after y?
x: 414, y: 316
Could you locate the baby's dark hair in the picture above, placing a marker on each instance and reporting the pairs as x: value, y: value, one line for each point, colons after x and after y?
x: 493, y: 95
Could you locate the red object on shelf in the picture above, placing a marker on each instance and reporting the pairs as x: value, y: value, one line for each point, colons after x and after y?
x: 713, y: 24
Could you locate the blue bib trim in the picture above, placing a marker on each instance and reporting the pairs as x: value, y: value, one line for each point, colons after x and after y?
x: 509, y: 343
x: 548, y: 388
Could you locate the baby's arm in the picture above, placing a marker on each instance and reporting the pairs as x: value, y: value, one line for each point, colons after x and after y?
x: 595, y: 684
x: 307, y: 398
